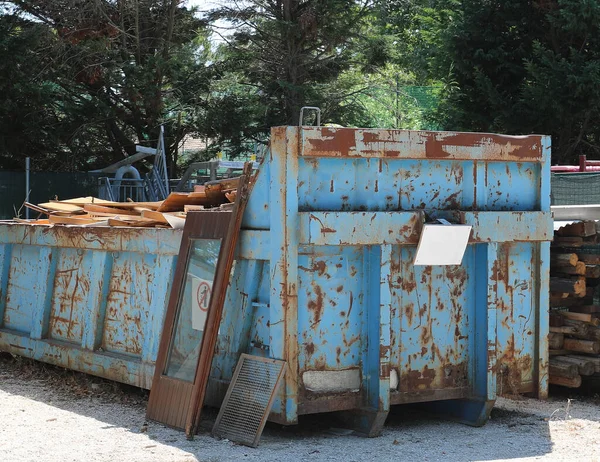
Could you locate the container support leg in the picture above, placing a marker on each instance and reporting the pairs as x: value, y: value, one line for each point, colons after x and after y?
x: 476, y: 410
x: 369, y: 421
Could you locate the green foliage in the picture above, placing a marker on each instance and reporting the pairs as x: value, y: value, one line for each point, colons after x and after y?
x: 286, y: 55
x: 116, y: 71
x: 30, y: 108
x: 511, y: 66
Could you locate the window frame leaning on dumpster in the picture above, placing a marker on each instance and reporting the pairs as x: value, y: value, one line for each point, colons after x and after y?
x: 170, y: 397
x: 178, y: 402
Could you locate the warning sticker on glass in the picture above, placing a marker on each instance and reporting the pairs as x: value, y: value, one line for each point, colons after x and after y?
x: 201, y: 290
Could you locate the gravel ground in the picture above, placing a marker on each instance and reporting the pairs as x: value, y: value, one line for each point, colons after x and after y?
x: 50, y: 414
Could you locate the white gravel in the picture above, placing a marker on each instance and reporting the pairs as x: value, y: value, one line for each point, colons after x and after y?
x: 47, y: 414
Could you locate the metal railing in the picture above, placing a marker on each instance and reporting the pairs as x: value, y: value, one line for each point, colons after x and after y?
x: 124, y: 189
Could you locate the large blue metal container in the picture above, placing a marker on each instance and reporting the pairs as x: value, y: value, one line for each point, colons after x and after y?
x: 324, y: 278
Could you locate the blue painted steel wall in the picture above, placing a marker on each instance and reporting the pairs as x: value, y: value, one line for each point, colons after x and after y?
x: 89, y: 299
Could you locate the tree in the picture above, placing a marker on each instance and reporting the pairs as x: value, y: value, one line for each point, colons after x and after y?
x: 123, y: 68
x: 288, y: 54
x: 514, y: 66
x: 30, y: 107
x: 561, y: 91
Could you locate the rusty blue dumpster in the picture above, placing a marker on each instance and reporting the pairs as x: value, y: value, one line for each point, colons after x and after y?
x: 324, y: 278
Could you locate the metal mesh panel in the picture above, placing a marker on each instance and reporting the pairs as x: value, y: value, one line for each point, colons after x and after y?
x: 575, y: 188
x: 249, y: 399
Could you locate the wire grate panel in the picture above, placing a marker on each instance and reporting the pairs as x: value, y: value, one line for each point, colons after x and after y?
x: 249, y: 398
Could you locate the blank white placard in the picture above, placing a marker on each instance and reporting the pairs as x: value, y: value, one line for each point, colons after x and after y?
x: 442, y: 244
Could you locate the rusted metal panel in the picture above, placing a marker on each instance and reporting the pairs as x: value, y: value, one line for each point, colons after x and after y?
x: 254, y: 245
x: 356, y: 228
x: 435, y: 306
x: 153, y: 241
x: 509, y: 226
x: 347, y: 142
x: 92, y: 301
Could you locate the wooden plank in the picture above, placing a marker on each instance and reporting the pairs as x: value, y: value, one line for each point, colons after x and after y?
x: 78, y: 220
x: 565, y: 382
x: 563, y: 259
x: 175, y: 201
x: 592, y: 271
x: 192, y: 208
x: 60, y: 207
x: 37, y: 208
x: 226, y: 183
x: 581, y: 317
x: 556, y: 320
x: 107, y: 211
x: 587, y: 309
x: 578, y: 270
x: 567, y: 241
x: 142, y: 209
x: 584, y: 366
x: 593, y: 359
x: 133, y: 205
x: 555, y: 340
x: 132, y: 223
x: 574, y: 286
x: 231, y: 196
x: 156, y: 216
x: 589, y: 259
x: 28, y: 222
x: 81, y: 201
x: 581, y: 346
x: 563, y: 329
x: 563, y: 369
x: 585, y: 330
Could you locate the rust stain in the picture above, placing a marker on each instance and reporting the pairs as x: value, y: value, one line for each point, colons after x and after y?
x: 452, y: 202
x: 383, y: 350
x: 384, y: 370
x: 416, y: 380
x: 455, y: 375
x: 334, y: 140
x: 309, y: 348
x: 316, y: 306
x: 440, y: 145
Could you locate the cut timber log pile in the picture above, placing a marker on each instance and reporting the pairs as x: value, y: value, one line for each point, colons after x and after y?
x: 574, y: 317
x: 170, y: 213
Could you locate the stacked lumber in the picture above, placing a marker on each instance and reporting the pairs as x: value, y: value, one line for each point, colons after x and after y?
x: 169, y: 213
x: 574, y: 339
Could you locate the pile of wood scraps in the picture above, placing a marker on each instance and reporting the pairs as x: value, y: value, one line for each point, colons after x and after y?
x: 574, y: 317
x: 170, y: 213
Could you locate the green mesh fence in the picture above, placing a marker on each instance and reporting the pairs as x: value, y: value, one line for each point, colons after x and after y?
x: 43, y: 186
x: 575, y: 188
